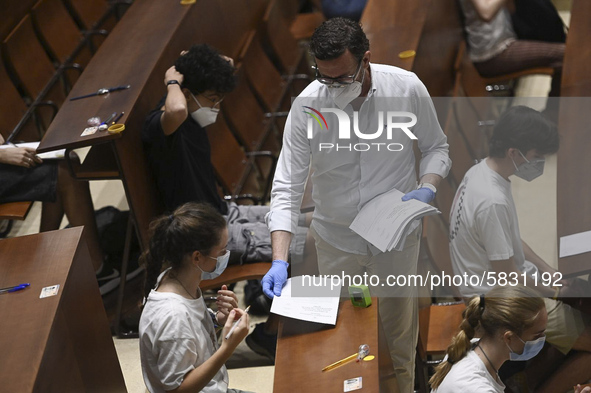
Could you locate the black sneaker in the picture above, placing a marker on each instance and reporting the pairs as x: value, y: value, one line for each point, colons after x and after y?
x: 262, y: 343
x: 108, y: 278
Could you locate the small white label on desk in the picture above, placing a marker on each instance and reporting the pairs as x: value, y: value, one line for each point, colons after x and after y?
x: 49, y: 291
x: 578, y: 243
x: 353, y: 384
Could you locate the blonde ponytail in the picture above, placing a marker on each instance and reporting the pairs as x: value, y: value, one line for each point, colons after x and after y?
x: 508, y: 308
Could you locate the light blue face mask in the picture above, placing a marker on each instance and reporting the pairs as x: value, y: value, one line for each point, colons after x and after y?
x: 220, y: 266
x: 530, y: 350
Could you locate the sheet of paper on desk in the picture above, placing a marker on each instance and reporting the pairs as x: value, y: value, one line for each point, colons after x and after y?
x: 385, y: 221
x: 34, y: 145
x: 577, y: 243
x: 320, y: 309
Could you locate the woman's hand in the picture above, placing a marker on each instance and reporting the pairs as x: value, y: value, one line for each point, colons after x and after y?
x: 226, y: 302
x: 239, y: 333
x: 579, y: 389
x: 21, y: 156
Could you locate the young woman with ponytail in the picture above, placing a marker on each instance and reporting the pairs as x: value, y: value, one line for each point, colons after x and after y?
x: 178, y: 346
x: 511, y: 322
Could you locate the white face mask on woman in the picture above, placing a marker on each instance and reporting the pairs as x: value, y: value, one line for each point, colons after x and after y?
x: 205, y: 115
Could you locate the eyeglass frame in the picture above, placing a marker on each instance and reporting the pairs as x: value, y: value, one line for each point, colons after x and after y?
x: 331, y: 81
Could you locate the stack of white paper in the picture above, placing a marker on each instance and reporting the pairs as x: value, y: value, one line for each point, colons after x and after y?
x: 385, y: 221
x: 322, y: 308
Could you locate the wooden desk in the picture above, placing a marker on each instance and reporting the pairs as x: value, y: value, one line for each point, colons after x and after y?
x: 138, y: 51
x: 60, y: 343
x: 301, y: 357
x: 431, y: 28
x: 574, y: 160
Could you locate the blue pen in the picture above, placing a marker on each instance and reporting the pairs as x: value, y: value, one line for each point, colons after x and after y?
x: 14, y: 288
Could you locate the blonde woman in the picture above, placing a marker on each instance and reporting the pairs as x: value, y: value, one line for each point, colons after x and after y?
x: 511, y: 322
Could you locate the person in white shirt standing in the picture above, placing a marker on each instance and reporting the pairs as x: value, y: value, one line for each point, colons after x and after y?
x: 352, y: 164
x: 485, y: 240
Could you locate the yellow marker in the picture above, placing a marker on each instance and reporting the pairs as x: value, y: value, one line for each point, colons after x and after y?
x: 407, y: 54
x: 342, y: 361
x: 187, y: 2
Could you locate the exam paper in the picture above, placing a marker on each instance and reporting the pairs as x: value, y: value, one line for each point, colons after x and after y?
x: 386, y: 220
x: 320, y: 309
x: 575, y: 244
x: 34, y: 145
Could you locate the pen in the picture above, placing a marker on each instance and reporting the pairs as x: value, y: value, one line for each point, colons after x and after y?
x: 236, y: 324
x: 14, y: 288
x: 118, y: 117
x: 104, y: 124
x: 342, y: 361
x: 101, y: 92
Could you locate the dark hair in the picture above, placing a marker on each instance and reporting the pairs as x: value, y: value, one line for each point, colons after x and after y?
x: 333, y: 37
x: 506, y: 308
x: 525, y: 129
x: 191, y: 227
x: 204, y: 69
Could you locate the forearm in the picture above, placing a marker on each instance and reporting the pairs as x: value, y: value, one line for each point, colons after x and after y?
x: 198, y: 378
x: 531, y: 256
x: 431, y: 178
x: 280, y: 242
x: 508, y: 266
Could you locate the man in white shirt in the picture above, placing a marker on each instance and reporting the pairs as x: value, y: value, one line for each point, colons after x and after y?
x: 331, y: 133
x: 485, y: 239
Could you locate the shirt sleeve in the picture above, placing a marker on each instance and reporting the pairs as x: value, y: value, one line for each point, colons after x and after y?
x: 494, y: 228
x: 176, y: 351
x: 290, y: 176
x: 431, y: 140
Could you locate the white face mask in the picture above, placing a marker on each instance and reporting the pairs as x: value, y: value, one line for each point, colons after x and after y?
x: 529, y: 170
x: 204, y: 116
x: 342, y: 95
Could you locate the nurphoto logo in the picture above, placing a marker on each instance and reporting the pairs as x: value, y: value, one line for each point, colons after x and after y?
x: 387, y: 122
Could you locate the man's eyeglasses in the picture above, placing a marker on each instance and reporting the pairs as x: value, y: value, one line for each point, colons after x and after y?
x: 343, y: 80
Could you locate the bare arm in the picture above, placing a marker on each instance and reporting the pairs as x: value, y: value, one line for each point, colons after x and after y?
x: 175, y: 106
x: 196, y: 379
x: 280, y: 241
x: 487, y: 9
x: 508, y: 266
x: 431, y: 178
x: 531, y: 256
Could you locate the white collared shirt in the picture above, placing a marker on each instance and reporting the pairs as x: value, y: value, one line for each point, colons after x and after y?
x: 344, y: 180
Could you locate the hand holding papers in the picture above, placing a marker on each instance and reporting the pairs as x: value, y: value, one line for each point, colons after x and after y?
x: 321, y: 307
x: 385, y: 221
x: 33, y: 145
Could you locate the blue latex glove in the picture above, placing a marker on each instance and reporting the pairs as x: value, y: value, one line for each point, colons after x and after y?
x: 423, y: 194
x: 275, y: 278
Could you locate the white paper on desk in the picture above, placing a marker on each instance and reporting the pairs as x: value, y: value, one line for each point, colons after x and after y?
x: 575, y: 244
x: 319, y: 309
x: 49, y: 155
x: 386, y: 220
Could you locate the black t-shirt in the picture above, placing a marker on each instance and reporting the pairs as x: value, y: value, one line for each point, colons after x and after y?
x: 181, y: 162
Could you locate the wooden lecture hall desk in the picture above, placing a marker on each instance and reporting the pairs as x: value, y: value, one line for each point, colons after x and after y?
x: 139, y: 50
x: 574, y: 158
x: 430, y: 28
x: 60, y: 343
x: 301, y: 355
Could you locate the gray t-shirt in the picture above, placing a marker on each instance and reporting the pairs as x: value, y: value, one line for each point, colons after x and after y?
x: 487, y: 39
